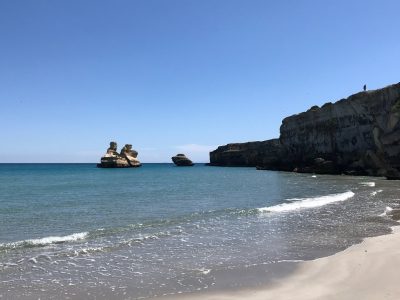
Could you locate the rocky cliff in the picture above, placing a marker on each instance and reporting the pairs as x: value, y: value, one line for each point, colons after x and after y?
x: 357, y: 135
x: 249, y: 154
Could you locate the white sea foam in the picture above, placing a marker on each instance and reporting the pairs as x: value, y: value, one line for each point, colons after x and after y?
x: 47, y: 240
x: 298, y: 203
x: 87, y: 250
x: 290, y: 260
x: 371, y: 184
x: 58, y: 239
x: 33, y: 260
x: 204, y: 271
x: 314, y: 176
x: 388, y: 209
x: 376, y: 192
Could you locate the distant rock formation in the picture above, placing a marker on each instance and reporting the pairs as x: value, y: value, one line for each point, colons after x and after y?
x: 182, y: 161
x: 250, y: 154
x: 130, y: 155
x: 112, y: 150
x: 359, y: 135
x: 126, y: 159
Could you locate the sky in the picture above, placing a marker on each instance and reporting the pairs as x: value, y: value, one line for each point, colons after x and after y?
x: 172, y: 76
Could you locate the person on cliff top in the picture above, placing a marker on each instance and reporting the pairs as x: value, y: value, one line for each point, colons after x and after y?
x: 365, y: 87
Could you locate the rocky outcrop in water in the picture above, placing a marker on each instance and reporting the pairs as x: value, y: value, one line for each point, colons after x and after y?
x: 359, y: 135
x: 130, y: 155
x: 126, y: 159
x: 182, y: 161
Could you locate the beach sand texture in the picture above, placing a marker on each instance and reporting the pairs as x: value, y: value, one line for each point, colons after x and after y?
x: 369, y: 270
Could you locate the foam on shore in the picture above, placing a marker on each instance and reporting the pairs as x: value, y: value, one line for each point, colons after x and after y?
x: 388, y: 209
x: 376, y: 192
x: 299, y: 203
x: 371, y: 184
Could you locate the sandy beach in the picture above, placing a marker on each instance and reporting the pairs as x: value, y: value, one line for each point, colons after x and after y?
x: 364, y: 271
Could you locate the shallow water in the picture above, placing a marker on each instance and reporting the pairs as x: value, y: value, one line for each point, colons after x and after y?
x: 73, y: 230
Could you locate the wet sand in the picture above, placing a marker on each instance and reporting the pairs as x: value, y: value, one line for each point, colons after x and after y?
x: 365, y: 271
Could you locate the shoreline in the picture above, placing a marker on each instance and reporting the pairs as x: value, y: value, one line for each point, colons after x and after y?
x: 367, y: 270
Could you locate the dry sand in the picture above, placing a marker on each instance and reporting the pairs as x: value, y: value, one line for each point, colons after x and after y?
x: 369, y: 270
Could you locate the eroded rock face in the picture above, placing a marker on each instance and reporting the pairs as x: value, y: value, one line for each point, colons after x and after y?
x: 127, y: 150
x: 112, y: 150
x: 359, y: 135
x: 130, y: 155
x: 182, y: 161
x: 267, y: 154
x: 126, y: 159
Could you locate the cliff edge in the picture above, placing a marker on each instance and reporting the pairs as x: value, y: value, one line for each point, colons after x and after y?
x: 359, y: 135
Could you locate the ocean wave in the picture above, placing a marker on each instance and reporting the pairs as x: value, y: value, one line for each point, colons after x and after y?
x: 203, y: 270
x: 298, y: 203
x: 143, y: 231
x: 57, y: 239
x: 387, y: 211
x: 376, y: 192
x: 290, y: 260
x: 44, y: 241
x: 371, y: 184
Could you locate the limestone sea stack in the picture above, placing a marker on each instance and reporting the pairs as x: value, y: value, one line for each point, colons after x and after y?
x: 182, y: 161
x: 126, y: 159
x: 359, y: 135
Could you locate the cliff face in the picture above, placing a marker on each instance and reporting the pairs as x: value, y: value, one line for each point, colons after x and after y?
x: 357, y: 135
x: 249, y: 154
x: 361, y: 132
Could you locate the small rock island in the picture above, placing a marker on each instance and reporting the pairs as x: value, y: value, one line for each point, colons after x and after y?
x: 182, y: 161
x: 126, y: 159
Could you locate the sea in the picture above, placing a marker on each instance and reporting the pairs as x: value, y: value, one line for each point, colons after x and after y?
x: 74, y: 231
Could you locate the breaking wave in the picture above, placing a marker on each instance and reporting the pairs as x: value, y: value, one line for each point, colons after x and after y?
x: 387, y: 211
x: 376, y: 192
x: 299, y: 203
x: 371, y: 184
x: 44, y: 241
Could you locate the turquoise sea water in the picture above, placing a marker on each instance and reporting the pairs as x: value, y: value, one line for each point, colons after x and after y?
x: 73, y: 230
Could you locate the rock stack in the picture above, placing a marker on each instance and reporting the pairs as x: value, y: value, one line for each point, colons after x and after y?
x: 182, y: 161
x: 126, y: 159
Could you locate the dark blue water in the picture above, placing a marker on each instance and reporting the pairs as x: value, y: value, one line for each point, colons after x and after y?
x: 76, y: 231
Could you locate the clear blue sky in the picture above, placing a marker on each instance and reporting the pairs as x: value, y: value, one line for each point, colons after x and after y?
x: 179, y: 76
